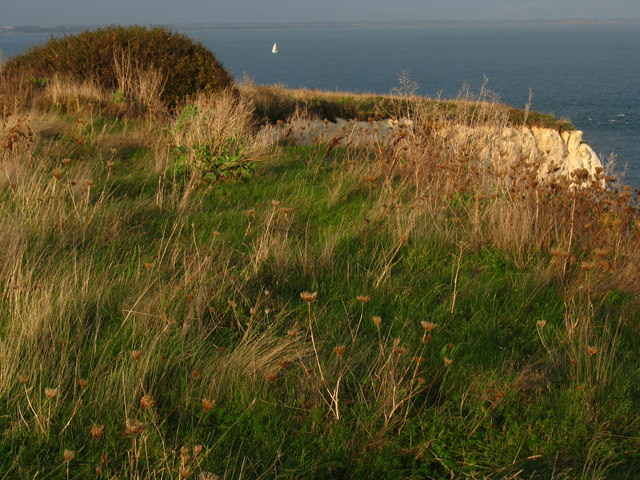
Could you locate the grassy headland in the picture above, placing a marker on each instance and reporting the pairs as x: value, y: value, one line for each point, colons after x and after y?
x: 182, y: 298
x: 273, y: 103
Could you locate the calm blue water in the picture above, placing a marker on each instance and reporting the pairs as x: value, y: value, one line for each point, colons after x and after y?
x: 587, y: 73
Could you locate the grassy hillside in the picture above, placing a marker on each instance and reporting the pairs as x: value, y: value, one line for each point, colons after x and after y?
x: 184, y: 298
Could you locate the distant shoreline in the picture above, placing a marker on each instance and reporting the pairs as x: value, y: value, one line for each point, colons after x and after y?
x: 353, y: 24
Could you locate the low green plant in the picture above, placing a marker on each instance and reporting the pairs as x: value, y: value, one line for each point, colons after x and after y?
x: 212, y: 166
x: 118, y: 96
x: 38, y: 82
x: 211, y: 149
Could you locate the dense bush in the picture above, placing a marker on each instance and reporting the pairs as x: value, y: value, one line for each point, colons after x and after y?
x: 188, y: 66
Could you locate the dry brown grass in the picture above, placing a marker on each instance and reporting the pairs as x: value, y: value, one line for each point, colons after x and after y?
x: 142, y: 88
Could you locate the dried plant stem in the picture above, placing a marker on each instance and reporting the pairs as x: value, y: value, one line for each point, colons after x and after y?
x: 333, y: 393
x: 455, y: 283
x: 572, y: 223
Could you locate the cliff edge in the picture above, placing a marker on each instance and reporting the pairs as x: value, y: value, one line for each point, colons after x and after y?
x: 553, y: 154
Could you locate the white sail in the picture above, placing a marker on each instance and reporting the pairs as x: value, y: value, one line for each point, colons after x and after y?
x: 274, y: 49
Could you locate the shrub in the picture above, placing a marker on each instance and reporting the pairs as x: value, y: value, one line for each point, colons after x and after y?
x: 187, y: 65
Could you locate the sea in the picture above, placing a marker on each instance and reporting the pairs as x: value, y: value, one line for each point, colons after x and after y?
x: 588, y: 73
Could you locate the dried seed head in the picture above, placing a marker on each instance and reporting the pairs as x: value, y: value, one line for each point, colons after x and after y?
x: 232, y: 304
x: 377, y: 320
x: 23, y: 379
x: 400, y: 350
x: 272, y: 377
x: 69, y: 455
x: 51, y: 393
x: 275, y: 203
x: 57, y: 174
x: 96, y: 431
x: 147, y: 401
x: 82, y: 383
x: 184, y: 454
x: 541, y: 323
x: 293, y: 333
x: 308, y: 297
x: 136, y: 354
x: 339, y: 350
x: 588, y: 266
x: 134, y: 427
x: 447, y: 361
x: 363, y: 298
x: 286, y: 211
x: 207, y: 404
x: 592, y: 350
x: 195, y: 373
x: 185, y: 472
x: 428, y: 326
x: 197, y: 449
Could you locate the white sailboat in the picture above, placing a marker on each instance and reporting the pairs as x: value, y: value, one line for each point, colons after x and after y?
x: 274, y: 49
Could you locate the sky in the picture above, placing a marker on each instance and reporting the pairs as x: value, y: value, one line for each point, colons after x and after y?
x: 147, y: 12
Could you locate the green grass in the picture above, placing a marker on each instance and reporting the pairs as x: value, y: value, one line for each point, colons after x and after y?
x: 208, y: 293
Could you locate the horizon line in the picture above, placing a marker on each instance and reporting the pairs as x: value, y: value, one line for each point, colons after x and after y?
x: 338, y: 23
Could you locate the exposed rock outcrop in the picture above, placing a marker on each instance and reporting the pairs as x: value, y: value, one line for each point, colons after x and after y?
x: 552, y: 154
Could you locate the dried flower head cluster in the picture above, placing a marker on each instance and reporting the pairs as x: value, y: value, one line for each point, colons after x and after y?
x: 339, y: 350
x: 309, y: 297
x: 147, y: 401
x: 428, y: 326
x: 363, y: 298
x: 96, y: 431
x: 68, y: 455
x: 134, y: 427
x: 207, y: 404
x: 51, y: 393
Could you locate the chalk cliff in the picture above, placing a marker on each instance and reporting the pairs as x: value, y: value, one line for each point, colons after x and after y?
x: 553, y: 154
